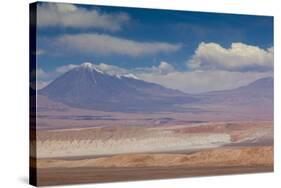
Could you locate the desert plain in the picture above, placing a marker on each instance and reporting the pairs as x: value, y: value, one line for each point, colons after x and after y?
x: 134, y: 146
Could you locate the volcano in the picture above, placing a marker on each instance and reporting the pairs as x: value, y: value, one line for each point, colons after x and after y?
x: 88, y: 87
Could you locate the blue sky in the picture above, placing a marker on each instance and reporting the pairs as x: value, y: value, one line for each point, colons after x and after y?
x: 143, y: 39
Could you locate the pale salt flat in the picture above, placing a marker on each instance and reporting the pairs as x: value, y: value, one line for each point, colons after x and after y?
x: 157, y: 142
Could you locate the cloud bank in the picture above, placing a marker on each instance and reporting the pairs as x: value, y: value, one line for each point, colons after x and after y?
x: 239, y: 57
x: 104, y: 44
x: 203, y: 81
x: 165, y: 74
x: 213, y: 68
x: 72, y: 16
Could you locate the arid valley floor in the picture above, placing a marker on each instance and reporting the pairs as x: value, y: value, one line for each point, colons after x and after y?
x: 147, y: 147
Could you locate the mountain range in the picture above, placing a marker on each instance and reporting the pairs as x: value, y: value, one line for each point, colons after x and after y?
x: 87, y: 87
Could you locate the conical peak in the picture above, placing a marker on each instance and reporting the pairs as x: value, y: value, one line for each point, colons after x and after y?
x: 90, y: 66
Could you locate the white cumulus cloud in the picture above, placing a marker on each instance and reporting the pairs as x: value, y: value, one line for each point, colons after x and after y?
x: 104, y: 44
x: 63, y: 69
x: 40, y: 74
x: 72, y: 16
x: 239, y: 57
x: 111, y: 69
x: 165, y: 67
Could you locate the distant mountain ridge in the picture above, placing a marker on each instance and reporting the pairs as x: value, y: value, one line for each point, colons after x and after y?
x: 87, y: 87
x: 257, y: 93
x: 260, y: 84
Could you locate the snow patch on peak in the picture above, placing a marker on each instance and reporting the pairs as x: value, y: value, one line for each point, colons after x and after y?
x: 130, y: 75
x: 87, y: 65
x: 126, y: 76
x: 118, y: 76
x: 90, y: 66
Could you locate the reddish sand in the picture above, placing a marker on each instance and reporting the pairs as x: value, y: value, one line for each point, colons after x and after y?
x: 155, y: 166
